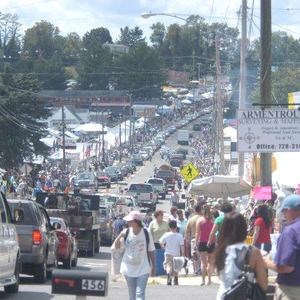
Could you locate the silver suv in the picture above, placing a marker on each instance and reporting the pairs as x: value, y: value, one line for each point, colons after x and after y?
x: 9, y: 250
x: 37, y: 238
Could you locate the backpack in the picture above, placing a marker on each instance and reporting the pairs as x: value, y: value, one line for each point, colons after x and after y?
x: 147, y: 240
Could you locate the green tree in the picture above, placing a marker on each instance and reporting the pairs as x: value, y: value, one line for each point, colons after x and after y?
x: 141, y: 72
x: 21, y: 115
x: 131, y: 37
x: 43, y: 55
x: 97, y: 36
x: 95, y: 61
x: 158, y: 34
x: 71, y: 48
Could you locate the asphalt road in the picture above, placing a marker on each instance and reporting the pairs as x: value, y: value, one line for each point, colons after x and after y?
x: 101, y: 261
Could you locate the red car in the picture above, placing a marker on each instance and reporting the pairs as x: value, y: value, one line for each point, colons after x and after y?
x: 67, y: 251
x: 103, y: 179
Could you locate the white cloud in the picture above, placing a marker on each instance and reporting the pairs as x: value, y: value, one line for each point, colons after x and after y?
x: 81, y: 16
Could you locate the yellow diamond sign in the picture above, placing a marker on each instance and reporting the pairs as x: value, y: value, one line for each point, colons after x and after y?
x: 189, y: 172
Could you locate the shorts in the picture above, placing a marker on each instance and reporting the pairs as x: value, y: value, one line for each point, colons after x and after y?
x: 202, y: 247
x: 284, y: 292
x: 168, y: 264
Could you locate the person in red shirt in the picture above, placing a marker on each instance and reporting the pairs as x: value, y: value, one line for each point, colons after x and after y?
x: 263, y: 228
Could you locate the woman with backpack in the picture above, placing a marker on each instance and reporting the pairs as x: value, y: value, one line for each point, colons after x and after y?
x: 138, y: 259
x: 231, y: 254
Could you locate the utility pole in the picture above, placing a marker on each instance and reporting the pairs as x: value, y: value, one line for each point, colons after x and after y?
x: 243, y: 76
x: 103, y: 154
x: 120, y: 139
x: 219, y: 105
x: 63, y: 125
x: 265, y: 81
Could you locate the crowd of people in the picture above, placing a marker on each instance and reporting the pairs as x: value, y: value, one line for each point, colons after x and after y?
x: 216, y: 239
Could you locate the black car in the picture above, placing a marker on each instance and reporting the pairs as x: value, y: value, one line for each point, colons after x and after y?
x: 196, y: 127
x: 114, y: 173
x: 137, y: 159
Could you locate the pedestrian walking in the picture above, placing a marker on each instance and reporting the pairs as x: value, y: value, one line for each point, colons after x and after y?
x: 232, y: 252
x: 263, y: 228
x: 158, y: 227
x: 173, y: 244
x: 138, y: 260
x: 203, y: 228
x: 191, y: 250
x: 287, y: 259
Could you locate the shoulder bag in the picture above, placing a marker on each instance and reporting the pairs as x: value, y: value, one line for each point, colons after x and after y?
x: 245, y: 288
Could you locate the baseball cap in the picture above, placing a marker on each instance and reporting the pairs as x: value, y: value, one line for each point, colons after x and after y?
x: 291, y: 202
x: 133, y: 215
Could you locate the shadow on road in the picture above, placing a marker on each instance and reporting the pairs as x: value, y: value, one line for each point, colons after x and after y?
x: 27, y: 295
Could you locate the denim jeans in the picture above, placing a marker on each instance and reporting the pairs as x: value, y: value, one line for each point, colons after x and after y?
x: 137, y: 287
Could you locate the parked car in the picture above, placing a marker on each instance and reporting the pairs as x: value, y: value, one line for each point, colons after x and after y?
x: 103, y: 179
x: 67, y: 251
x: 196, y: 127
x: 9, y: 250
x: 159, y: 185
x: 137, y: 159
x: 86, y: 180
x: 37, y: 239
x: 144, y: 194
x: 114, y: 173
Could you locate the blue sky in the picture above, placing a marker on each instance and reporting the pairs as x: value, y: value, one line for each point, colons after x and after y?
x: 83, y: 15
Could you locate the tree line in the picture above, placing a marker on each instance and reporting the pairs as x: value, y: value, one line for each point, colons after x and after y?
x: 43, y: 58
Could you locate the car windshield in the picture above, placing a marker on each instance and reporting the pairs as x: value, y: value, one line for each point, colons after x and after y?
x: 85, y: 176
x: 155, y: 181
x: 108, y: 200
x: 140, y: 188
x: 165, y: 174
x: 28, y: 213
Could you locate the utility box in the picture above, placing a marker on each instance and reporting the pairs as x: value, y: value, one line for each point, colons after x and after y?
x: 79, y: 283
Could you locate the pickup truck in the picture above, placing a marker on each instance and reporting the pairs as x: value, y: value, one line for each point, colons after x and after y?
x: 159, y: 185
x: 144, y: 194
x: 183, y: 137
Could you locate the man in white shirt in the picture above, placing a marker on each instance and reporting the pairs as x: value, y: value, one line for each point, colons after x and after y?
x: 173, y: 243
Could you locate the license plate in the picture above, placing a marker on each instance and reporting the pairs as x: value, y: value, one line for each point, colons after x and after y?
x: 92, y: 285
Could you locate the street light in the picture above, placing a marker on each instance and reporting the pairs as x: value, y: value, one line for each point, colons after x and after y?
x: 151, y: 14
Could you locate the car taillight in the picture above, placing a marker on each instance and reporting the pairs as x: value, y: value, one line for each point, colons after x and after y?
x: 36, y: 237
x: 151, y: 196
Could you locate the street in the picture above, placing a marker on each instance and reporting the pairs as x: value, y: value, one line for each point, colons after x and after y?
x: 101, y: 261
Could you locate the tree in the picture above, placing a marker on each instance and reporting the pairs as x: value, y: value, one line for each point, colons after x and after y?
x: 141, y: 72
x: 97, y: 36
x: 95, y: 60
x: 158, y: 34
x: 71, y: 48
x: 9, y: 31
x: 21, y: 115
x: 131, y: 37
x: 43, y: 55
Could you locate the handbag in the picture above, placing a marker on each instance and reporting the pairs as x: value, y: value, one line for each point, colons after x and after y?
x: 244, y: 288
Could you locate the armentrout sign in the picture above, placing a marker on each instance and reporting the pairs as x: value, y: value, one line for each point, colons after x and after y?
x: 268, y: 130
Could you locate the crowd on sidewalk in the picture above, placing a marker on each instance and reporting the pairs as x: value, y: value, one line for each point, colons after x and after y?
x: 216, y: 240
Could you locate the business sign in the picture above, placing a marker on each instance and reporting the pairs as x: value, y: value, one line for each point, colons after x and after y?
x: 268, y: 130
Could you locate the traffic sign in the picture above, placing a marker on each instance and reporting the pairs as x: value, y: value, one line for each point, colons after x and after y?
x: 189, y: 172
